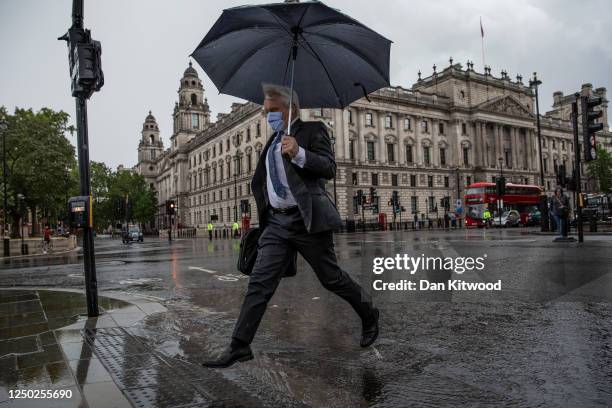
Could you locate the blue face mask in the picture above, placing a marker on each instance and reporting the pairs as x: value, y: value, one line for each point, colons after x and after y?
x: 275, y: 119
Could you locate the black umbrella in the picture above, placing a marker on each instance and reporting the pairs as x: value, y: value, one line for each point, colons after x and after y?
x: 335, y: 60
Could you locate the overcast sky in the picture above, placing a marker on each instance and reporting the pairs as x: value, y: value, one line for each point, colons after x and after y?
x: 146, y: 44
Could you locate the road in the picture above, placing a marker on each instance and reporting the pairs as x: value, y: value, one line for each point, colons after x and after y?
x: 543, y: 339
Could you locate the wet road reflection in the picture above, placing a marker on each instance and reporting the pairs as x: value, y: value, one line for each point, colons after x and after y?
x: 544, y: 340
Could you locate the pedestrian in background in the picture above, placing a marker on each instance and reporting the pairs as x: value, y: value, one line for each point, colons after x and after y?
x: 46, y: 239
x: 486, y: 216
x: 235, y: 228
x: 210, y: 227
x: 560, y: 211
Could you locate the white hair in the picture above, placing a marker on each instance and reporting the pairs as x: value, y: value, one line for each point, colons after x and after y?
x: 272, y: 91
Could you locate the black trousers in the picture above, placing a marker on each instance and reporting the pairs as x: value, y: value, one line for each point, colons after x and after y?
x: 284, y: 234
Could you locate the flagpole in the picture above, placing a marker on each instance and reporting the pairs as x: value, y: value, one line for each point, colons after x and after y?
x: 484, y: 64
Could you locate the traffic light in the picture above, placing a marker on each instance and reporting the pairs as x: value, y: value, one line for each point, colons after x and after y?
x: 244, y: 206
x: 589, y: 126
x: 360, y: 197
x: 84, y: 55
x: 561, y: 176
x: 170, y: 207
x: 500, y: 186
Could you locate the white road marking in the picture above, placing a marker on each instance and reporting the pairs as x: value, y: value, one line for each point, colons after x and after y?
x: 197, y: 268
x: 378, y: 355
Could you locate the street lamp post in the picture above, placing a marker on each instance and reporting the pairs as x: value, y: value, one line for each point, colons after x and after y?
x: 500, y: 200
x: 3, y: 128
x: 236, y: 158
x: 534, y: 83
x: 21, y: 198
x: 333, y: 145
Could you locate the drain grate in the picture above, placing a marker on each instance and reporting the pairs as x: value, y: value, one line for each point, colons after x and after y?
x: 149, y: 379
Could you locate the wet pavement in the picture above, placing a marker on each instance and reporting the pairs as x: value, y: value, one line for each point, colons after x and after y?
x: 543, y: 340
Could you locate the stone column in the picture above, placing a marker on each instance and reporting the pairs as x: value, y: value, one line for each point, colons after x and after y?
x: 515, y: 148
x: 417, y: 147
x: 477, y: 145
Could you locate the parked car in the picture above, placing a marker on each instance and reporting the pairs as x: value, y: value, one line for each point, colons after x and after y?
x: 132, y: 234
x: 534, y: 218
x: 510, y: 218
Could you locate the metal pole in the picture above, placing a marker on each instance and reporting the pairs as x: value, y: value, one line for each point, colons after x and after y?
x: 4, y: 228
x: 536, y: 82
x: 91, y: 283
x: 577, y: 168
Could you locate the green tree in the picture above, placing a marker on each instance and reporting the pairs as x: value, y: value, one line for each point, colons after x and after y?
x: 130, y: 189
x: 41, y: 163
x: 601, y: 169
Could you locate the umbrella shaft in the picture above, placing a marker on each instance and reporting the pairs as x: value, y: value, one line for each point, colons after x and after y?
x: 291, y: 95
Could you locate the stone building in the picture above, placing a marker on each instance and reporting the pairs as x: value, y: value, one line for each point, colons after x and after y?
x: 450, y: 129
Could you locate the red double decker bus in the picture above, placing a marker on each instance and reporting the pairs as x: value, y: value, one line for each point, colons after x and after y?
x: 521, y: 197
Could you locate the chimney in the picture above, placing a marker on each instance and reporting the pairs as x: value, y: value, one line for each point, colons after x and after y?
x: 557, y: 96
x: 586, y: 89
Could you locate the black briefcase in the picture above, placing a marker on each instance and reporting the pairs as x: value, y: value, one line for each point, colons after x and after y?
x: 248, y: 250
x: 248, y: 254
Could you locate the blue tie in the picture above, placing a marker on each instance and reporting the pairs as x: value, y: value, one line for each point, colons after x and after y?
x: 279, y: 189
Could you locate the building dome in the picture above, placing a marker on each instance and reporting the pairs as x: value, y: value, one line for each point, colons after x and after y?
x: 150, y: 118
x: 190, y: 72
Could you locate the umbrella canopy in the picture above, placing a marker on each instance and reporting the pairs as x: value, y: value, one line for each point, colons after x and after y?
x: 336, y: 59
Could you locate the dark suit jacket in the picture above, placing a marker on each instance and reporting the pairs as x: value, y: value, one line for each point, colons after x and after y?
x: 306, y: 184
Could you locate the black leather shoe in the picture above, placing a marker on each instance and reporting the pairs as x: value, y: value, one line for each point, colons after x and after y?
x: 229, y: 357
x: 369, y: 333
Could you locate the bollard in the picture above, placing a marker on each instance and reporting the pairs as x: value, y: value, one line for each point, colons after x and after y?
x: 7, y: 246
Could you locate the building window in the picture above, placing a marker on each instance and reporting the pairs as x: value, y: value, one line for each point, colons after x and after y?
x: 195, y: 121
x: 553, y: 144
x: 543, y: 142
x: 424, y: 126
x: 429, y: 181
x: 374, y: 179
x: 409, y: 158
x: 446, y: 182
x: 507, y: 159
x: 351, y: 149
x: 413, y: 180
x: 545, y: 163
x: 227, y: 144
x: 426, y: 156
x: 394, y: 180
x: 414, y: 205
x: 368, y: 119
x: 442, y: 156
x: 468, y: 180
x: 388, y: 121
x: 370, y: 146
x: 258, y: 130
x: 466, y: 156
x: 248, y: 134
x: 464, y: 128
x: 354, y: 179
x: 390, y: 153
x: 249, y: 163
x: 441, y: 128
x: 350, y: 117
x: 407, y: 124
